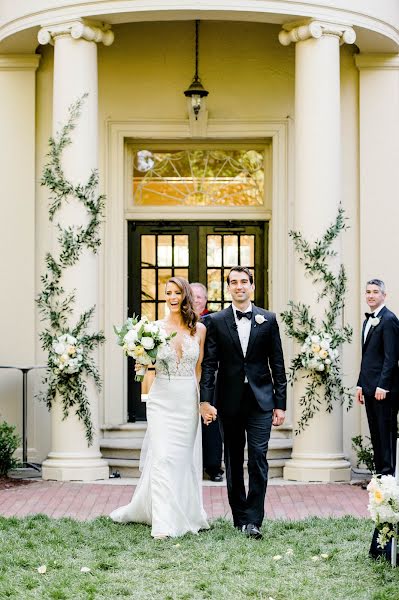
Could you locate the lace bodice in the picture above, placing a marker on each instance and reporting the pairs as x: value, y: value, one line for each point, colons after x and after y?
x: 169, y: 363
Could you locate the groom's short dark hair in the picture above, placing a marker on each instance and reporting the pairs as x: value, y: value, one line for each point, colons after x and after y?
x: 240, y: 269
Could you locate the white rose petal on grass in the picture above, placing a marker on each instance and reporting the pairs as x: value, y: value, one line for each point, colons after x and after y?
x: 85, y: 570
x: 324, y: 555
x: 315, y: 558
x: 289, y: 552
x: 42, y: 569
x: 277, y: 557
x: 176, y: 545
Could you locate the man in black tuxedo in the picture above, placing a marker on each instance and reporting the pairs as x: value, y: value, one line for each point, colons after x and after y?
x: 378, y: 383
x: 212, y: 447
x: 243, y: 344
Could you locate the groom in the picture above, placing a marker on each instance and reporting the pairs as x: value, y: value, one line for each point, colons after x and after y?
x: 243, y: 344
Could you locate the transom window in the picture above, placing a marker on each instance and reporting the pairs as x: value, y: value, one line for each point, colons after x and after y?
x: 200, y: 176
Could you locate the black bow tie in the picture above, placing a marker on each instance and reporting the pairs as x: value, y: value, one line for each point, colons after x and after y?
x: 369, y: 315
x: 247, y: 315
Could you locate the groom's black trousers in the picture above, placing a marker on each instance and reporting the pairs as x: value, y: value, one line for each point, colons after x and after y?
x: 382, y: 419
x: 253, y: 424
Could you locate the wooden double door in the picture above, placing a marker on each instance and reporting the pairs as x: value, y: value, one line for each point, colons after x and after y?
x: 201, y: 252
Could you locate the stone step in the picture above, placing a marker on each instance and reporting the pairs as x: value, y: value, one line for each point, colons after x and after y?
x: 123, y: 455
x: 130, y: 468
x: 127, y: 430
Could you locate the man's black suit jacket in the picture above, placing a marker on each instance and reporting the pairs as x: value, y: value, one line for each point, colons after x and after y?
x: 380, y: 354
x: 263, y: 364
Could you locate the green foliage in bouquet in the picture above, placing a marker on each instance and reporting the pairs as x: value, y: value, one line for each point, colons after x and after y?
x: 318, y: 358
x: 54, y: 302
x: 9, y: 442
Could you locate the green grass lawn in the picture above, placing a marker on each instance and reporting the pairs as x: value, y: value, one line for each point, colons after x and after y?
x: 125, y: 562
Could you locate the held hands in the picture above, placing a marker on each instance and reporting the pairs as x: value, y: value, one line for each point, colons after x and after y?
x: 278, y: 417
x: 207, y: 412
x: 139, y: 367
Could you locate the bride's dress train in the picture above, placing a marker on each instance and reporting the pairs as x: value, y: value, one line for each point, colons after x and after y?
x: 169, y: 494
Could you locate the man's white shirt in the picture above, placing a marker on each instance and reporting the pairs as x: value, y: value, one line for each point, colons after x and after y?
x: 243, y: 329
x: 368, y: 324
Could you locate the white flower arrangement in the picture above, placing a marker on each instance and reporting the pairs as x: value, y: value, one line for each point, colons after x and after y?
x: 317, y: 353
x: 384, y: 506
x: 374, y: 321
x: 260, y: 319
x: 67, y: 354
x: 141, y: 339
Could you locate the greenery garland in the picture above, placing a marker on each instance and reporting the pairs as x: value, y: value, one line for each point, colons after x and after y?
x: 69, y: 347
x: 318, y: 358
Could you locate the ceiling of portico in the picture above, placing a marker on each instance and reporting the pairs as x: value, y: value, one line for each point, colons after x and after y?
x: 19, y: 34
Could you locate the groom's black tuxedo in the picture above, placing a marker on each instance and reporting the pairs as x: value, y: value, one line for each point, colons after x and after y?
x: 379, y: 368
x: 263, y: 363
x: 245, y: 408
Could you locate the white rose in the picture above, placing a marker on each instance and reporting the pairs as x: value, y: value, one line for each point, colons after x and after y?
x: 320, y: 368
x: 131, y: 336
x: 375, y: 321
x: 315, y: 339
x: 71, y: 339
x: 147, y: 343
x: 327, y: 361
x: 260, y: 319
x: 59, y: 348
x: 325, y: 344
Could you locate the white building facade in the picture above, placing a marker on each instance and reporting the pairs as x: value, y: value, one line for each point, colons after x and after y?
x: 312, y: 88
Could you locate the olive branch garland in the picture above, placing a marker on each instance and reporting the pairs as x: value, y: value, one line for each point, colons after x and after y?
x: 300, y: 324
x: 54, y: 302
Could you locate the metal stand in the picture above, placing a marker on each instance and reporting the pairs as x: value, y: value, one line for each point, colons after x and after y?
x: 394, y: 547
x: 25, y: 371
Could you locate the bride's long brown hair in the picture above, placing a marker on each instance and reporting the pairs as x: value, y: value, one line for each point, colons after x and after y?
x: 189, y: 316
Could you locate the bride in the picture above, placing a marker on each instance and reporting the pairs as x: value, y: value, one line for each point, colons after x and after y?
x: 169, y: 493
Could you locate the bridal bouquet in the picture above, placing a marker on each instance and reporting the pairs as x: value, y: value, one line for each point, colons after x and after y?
x: 317, y: 352
x: 140, y: 339
x: 384, y: 506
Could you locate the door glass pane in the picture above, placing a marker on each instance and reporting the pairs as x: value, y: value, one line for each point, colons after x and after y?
x: 214, y: 285
x: 163, y: 276
x: 247, y: 250
x: 148, y: 290
x: 230, y: 250
x: 214, y: 250
x: 181, y: 250
x: 148, y: 310
x: 148, y: 250
x: 162, y: 310
x: 226, y: 295
x: 182, y: 273
x: 214, y: 306
x: 164, y: 250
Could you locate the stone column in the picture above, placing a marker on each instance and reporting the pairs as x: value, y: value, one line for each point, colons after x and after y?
x: 75, y: 73
x: 17, y: 230
x: 318, y: 451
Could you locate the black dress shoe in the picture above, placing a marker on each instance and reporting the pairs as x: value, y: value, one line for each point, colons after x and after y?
x: 252, y: 531
x: 218, y: 478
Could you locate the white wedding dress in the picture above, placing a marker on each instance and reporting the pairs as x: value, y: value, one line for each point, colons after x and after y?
x: 169, y: 493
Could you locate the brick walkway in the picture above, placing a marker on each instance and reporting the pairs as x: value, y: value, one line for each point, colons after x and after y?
x: 88, y: 500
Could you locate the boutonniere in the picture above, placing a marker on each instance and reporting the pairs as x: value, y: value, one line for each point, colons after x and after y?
x: 260, y: 319
x: 375, y: 321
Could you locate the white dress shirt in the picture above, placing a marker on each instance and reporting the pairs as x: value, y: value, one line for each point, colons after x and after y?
x: 368, y: 324
x: 243, y: 329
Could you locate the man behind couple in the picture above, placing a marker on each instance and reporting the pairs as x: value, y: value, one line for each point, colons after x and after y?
x: 242, y: 343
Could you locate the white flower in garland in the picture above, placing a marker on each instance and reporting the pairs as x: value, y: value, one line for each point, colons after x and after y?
x: 67, y: 355
x: 316, y: 352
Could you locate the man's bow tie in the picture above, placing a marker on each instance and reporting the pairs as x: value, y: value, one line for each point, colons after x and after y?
x: 247, y: 315
x: 369, y: 315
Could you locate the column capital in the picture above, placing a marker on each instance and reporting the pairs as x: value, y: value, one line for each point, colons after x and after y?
x: 91, y: 31
x: 304, y: 30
